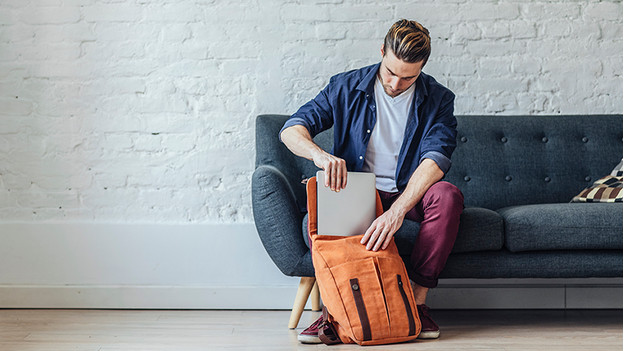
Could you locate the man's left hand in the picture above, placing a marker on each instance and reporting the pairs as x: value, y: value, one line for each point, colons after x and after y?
x: 381, y: 231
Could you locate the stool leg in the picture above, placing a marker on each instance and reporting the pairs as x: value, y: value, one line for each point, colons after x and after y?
x: 315, y: 298
x: 303, y: 292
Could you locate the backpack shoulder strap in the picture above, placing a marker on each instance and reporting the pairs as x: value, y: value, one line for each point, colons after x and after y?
x: 312, y: 218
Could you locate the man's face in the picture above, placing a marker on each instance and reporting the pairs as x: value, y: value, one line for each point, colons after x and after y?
x: 397, y: 75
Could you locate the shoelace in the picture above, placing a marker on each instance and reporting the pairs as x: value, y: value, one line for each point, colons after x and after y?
x: 316, y: 324
x: 424, y: 312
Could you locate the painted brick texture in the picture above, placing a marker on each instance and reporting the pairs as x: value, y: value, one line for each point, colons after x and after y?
x: 143, y: 111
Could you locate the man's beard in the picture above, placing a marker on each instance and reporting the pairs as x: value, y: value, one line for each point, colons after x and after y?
x: 392, y: 93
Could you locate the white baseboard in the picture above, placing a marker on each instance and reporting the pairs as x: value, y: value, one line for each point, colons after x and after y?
x: 147, y: 297
x: 475, y: 295
x: 213, y: 266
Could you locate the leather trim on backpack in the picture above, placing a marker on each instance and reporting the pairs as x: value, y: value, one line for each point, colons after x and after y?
x: 327, y: 333
x: 361, y: 309
x: 408, y: 309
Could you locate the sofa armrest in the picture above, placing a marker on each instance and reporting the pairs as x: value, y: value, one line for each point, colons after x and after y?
x: 278, y: 221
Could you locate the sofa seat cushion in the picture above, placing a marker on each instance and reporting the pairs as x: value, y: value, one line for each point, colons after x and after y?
x: 480, y: 229
x: 566, y: 226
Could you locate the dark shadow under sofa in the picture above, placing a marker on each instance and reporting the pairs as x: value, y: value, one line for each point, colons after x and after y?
x: 518, y: 175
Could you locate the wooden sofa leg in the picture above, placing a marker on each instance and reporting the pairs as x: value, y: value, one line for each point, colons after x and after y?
x: 303, y: 292
x: 315, y: 298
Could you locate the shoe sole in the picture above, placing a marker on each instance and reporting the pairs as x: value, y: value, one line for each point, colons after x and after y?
x: 309, y: 339
x: 434, y: 334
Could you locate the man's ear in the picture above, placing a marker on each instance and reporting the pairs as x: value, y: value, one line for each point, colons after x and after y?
x: 382, y: 50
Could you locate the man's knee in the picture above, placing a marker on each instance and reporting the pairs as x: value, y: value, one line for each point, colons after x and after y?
x: 447, y: 194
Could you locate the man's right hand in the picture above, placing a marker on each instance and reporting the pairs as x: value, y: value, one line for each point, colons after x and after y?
x: 298, y: 140
x: 335, y: 169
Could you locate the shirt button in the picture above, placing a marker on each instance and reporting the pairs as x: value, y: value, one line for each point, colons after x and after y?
x: 504, y: 139
x: 361, y: 157
x: 547, y: 179
x: 368, y: 131
x: 585, y: 139
x: 508, y: 178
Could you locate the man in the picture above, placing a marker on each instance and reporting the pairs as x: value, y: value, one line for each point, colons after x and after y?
x: 397, y: 122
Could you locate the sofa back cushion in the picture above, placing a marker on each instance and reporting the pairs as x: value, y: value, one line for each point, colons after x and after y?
x: 503, y: 161
x: 499, y: 161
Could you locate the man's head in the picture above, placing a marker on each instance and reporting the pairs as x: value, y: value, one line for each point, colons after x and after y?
x: 405, y: 51
x: 409, y: 41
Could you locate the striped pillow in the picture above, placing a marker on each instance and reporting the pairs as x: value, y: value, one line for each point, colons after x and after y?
x: 605, y: 189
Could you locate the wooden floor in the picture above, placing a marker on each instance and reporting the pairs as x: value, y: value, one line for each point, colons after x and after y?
x: 102, y: 330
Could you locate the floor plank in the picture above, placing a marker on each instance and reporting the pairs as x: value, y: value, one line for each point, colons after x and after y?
x: 156, y: 330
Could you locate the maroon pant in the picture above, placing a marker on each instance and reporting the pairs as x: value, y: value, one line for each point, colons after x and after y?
x: 438, y: 214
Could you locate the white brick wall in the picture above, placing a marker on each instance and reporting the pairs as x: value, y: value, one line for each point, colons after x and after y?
x: 143, y: 111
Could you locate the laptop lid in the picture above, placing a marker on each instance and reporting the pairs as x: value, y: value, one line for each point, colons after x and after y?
x: 349, y: 211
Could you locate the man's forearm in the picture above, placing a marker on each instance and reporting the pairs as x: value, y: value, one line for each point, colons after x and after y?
x: 298, y: 140
x: 425, y: 175
x: 381, y: 231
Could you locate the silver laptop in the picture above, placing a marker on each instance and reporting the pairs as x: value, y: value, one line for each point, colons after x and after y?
x: 349, y: 211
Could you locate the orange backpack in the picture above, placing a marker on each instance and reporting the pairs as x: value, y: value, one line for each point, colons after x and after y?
x: 367, y: 295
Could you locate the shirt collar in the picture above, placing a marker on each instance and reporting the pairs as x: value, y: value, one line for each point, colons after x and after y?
x: 421, y: 89
x: 367, y: 84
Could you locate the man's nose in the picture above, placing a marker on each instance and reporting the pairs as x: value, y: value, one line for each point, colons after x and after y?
x: 394, y: 83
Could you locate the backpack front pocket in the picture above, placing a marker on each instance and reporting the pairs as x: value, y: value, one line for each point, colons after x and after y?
x: 361, y: 291
x: 402, y: 311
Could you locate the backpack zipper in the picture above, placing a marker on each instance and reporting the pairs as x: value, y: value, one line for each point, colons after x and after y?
x: 408, y: 308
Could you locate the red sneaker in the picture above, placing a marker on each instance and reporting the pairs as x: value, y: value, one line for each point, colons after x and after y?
x: 430, y: 329
x: 310, y: 334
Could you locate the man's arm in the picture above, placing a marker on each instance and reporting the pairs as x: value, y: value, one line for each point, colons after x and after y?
x: 298, y: 140
x: 381, y: 231
x: 441, y: 143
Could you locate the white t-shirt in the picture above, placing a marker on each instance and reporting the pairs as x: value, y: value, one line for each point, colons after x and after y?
x: 382, y: 152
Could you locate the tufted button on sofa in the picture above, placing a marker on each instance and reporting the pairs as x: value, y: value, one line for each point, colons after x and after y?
x: 518, y: 175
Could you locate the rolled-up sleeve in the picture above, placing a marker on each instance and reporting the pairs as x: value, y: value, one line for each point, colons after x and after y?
x: 442, y: 161
x: 440, y: 142
x: 316, y: 115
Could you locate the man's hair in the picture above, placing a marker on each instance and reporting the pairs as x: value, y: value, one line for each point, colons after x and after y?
x: 409, y: 41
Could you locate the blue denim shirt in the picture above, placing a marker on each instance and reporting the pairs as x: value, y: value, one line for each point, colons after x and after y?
x: 348, y: 104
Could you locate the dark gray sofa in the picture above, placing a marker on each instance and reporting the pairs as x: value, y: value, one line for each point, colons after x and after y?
x: 518, y: 175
